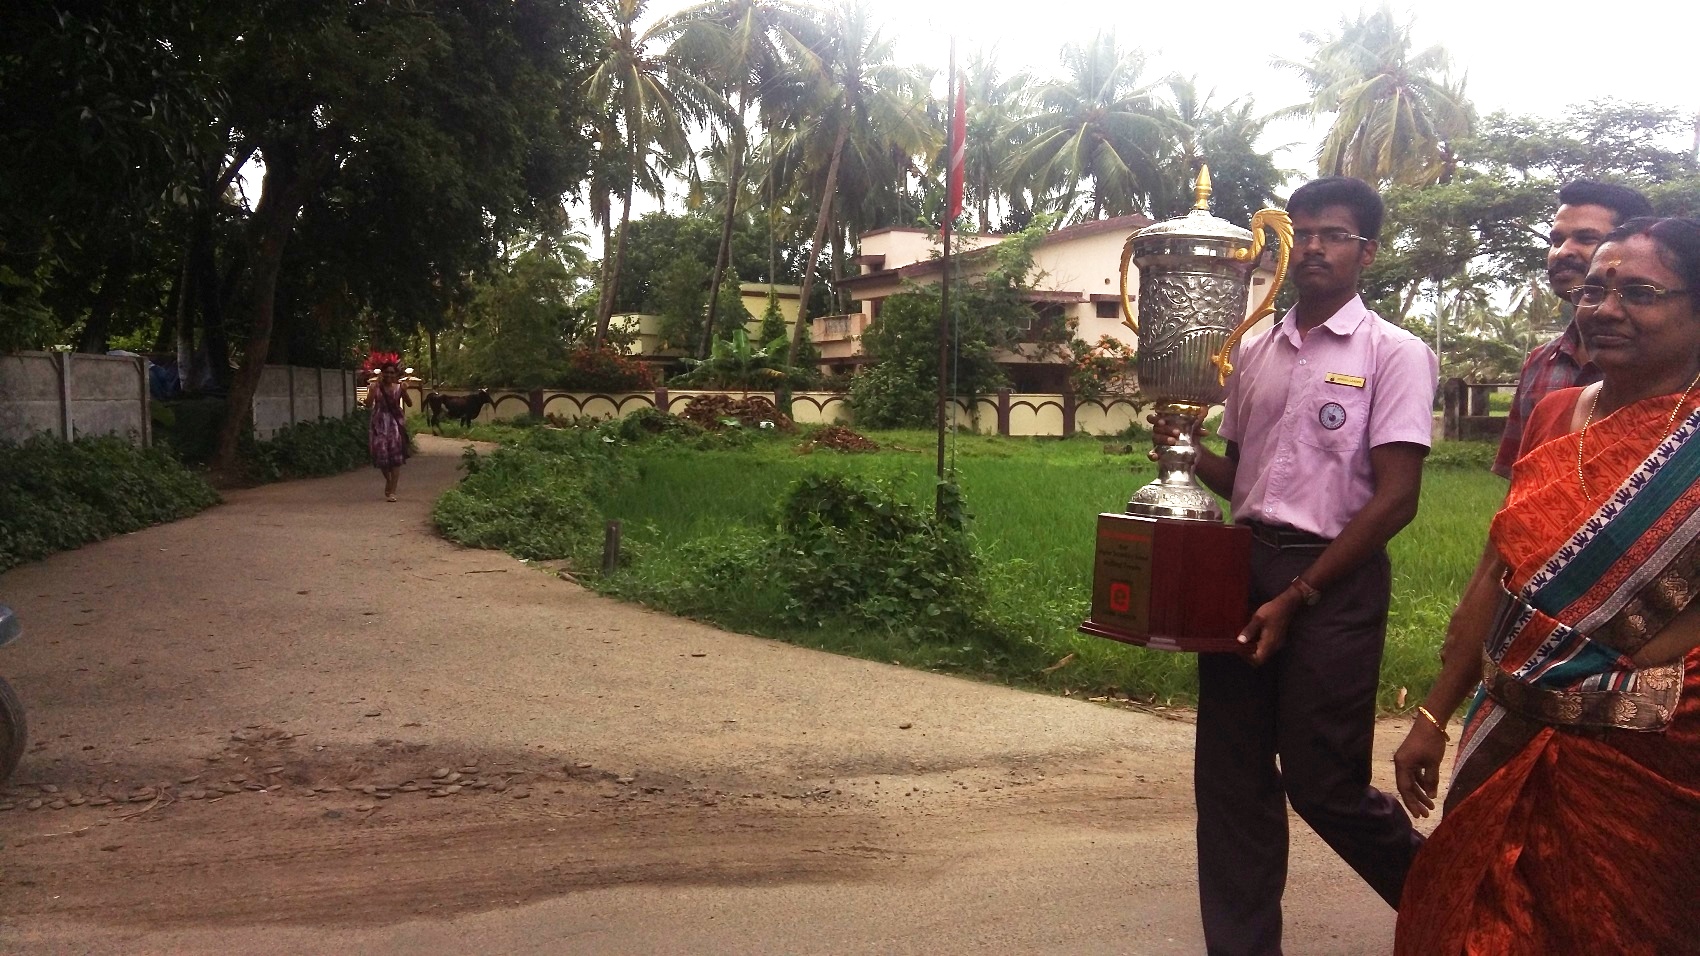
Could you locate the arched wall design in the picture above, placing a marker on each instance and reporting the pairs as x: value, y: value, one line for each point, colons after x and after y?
x: 820, y: 408
x: 595, y: 405
x: 1031, y: 415
x: 1105, y: 416
x: 1028, y: 414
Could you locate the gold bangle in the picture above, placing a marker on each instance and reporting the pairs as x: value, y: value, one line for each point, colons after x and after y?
x: 1436, y: 722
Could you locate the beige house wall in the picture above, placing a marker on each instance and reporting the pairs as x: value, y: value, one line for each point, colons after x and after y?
x: 1085, y: 266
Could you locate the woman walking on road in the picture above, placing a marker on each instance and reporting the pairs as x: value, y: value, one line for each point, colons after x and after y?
x: 388, y: 401
x: 1572, y: 822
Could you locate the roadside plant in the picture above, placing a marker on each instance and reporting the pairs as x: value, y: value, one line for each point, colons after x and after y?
x: 857, y: 551
x: 55, y: 496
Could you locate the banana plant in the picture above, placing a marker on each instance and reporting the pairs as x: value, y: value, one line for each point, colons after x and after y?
x: 735, y: 363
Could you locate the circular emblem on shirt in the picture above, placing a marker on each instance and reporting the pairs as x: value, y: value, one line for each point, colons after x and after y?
x: 1332, y: 416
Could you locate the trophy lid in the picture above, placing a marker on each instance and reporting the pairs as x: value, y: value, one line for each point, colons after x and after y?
x: 1198, y: 229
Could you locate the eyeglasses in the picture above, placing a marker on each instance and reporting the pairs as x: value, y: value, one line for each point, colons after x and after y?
x: 1636, y: 295
x: 1329, y: 237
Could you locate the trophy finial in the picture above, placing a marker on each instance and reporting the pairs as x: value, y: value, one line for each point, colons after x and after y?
x: 1201, y: 189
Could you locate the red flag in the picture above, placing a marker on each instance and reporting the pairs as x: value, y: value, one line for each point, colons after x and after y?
x: 958, y: 153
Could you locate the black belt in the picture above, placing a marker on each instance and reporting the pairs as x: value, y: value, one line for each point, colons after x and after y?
x: 1283, y: 538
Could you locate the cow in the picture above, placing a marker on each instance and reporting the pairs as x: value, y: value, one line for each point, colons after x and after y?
x: 463, y: 407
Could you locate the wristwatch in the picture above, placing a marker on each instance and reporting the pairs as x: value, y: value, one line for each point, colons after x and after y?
x: 1307, y: 594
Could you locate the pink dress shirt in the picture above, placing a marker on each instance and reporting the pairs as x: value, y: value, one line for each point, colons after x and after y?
x: 1305, y: 413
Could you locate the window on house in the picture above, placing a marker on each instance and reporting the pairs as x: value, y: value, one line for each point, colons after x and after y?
x: 1109, y: 310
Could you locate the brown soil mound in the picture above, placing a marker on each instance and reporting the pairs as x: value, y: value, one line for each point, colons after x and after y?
x: 839, y: 438
x: 711, y: 411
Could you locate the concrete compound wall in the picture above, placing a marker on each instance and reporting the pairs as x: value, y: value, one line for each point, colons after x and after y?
x: 1003, y: 413
x: 290, y: 394
x: 69, y: 395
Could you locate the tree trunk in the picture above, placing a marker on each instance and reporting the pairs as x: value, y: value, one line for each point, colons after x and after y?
x: 605, y: 311
x: 828, y: 193
x: 187, y: 381
x: 95, y: 334
x: 734, y: 178
x: 289, y: 181
x: 838, y: 306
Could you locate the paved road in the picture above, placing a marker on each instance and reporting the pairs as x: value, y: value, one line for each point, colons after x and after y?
x: 300, y: 722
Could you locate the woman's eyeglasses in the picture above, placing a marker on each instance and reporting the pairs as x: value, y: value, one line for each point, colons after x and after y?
x: 1633, y: 294
x: 1329, y: 237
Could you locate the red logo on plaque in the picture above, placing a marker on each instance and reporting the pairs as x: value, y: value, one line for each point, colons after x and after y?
x: 1121, y: 597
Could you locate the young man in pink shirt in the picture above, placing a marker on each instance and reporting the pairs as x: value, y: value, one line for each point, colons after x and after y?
x: 1328, y: 419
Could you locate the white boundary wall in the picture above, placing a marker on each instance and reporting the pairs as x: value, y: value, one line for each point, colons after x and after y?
x: 70, y: 395
x: 1026, y: 415
x: 289, y: 394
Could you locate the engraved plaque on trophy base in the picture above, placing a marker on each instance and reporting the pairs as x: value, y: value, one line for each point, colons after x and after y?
x: 1171, y: 585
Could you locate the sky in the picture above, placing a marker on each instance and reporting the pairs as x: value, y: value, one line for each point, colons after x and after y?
x: 1521, y: 57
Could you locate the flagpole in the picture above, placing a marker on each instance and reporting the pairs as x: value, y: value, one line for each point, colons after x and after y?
x: 944, y: 288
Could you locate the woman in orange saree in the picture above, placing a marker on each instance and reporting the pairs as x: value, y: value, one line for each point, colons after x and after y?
x: 1572, y: 822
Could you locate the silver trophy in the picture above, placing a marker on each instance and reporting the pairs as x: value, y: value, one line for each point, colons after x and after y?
x: 1194, y: 282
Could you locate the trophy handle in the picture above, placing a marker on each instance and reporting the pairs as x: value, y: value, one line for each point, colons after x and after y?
x: 1127, y: 307
x: 1278, y: 220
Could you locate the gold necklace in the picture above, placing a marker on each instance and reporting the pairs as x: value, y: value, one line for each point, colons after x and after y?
x: 1593, y: 403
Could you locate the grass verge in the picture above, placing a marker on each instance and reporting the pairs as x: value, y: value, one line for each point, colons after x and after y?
x: 704, y: 537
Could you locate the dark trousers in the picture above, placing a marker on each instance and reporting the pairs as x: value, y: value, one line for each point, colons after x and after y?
x: 1297, y: 729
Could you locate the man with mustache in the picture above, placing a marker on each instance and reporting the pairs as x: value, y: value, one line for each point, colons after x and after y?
x: 1328, y: 419
x: 1587, y: 210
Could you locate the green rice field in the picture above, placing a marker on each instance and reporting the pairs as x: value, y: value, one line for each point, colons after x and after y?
x: 1033, y: 504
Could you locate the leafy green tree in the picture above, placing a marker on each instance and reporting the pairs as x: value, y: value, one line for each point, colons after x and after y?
x: 104, y: 125
x: 462, y: 106
x: 987, y: 313
x: 773, y: 325
x: 1224, y: 138
x: 681, y: 299
x: 520, y: 323
x: 1397, y: 115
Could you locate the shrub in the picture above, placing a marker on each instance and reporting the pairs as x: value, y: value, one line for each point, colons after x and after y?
x: 188, y: 426
x: 857, y: 552
x: 328, y: 446
x: 1463, y: 454
x: 532, y: 499
x: 893, y: 394
x: 604, y: 370
x: 649, y: 423
x: 55, y: 495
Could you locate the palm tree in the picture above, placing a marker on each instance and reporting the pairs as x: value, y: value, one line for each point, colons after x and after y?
x: 997, y: 108
x: 1224, y: 138
x: 1100, y: 125
x: 848, y: 103
x: 737, y: 46
x: 652, y: 98
x: 1397, y: 114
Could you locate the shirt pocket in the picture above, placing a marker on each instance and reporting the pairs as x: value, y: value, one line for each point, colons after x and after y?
x: 1335, y: 419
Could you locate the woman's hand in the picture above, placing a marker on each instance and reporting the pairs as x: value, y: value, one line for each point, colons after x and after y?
x: 1416, y: 767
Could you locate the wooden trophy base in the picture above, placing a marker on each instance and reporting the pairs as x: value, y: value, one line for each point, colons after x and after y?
x: 1170, y: 585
